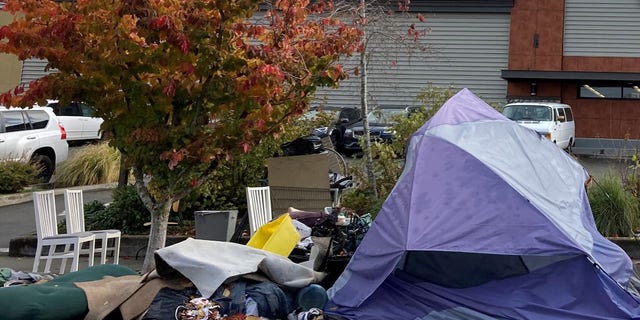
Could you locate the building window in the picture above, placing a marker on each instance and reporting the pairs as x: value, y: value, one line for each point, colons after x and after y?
x: 629, y: 91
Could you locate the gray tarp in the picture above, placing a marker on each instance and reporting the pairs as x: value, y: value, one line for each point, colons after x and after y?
x: 208, y: 264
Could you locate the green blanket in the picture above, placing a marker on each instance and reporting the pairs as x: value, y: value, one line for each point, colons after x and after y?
x: 56, y: 299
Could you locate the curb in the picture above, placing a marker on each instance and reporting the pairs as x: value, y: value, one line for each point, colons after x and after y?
x: 16, y: 198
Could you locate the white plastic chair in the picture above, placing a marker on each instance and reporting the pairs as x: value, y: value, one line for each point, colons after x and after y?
x: 44, y: 204
x: 74, y: 209
x: 258, y: 207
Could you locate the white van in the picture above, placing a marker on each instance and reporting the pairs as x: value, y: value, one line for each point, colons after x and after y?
x: 552, y: 120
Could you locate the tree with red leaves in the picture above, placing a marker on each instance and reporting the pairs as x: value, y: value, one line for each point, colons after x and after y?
x: 181, y: 85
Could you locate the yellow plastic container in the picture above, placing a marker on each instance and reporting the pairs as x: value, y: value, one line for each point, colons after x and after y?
x: 277, y: 236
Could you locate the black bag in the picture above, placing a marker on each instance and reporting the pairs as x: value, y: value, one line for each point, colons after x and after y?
x: 304, y: 145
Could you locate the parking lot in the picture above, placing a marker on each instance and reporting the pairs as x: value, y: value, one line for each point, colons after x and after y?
x: 600, y: 166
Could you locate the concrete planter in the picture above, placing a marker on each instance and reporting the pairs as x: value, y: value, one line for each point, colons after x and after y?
x: 130, y: 245
x: 630, y: 245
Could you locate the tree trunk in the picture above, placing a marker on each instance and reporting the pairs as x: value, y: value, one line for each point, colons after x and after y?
x: 157, y: 234
x: 159, y: 219
x: 123, y: 174
x: 364, y: 91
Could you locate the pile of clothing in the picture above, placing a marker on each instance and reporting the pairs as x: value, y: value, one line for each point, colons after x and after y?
x: 10, y: 277
x: 193, y: 279
x: 345, y: 233
x: 197, y: 280
x: 233, y: 281
x: 330, y: 241
x: 239, y: 299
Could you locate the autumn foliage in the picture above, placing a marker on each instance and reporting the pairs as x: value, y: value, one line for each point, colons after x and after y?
x: 181, y: 84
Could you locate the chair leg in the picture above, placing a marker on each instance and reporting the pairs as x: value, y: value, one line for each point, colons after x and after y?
x: 104, y: 242
x: 76, y: 258
x: 47, y: 265
x: 92, y: 252
x: 116, y: 250
x: 36, y: 260
x: 63, y: 264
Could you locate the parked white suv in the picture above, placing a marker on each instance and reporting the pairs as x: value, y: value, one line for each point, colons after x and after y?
x: 33, y: 134
x: 78, y: 119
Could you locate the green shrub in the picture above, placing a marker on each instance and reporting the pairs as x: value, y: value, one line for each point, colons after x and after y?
x: 390, y: 163
x: 93, y: 164
x: 615, y: 210
x: 631, y: 175
x: 16, y: 175
x: 126, y: 213
x: 224, y: 188
x: 358, y: 200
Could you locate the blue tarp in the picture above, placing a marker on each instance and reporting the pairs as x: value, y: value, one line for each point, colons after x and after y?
x: 489, y: 220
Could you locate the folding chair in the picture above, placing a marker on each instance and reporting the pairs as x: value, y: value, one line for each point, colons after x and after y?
x: 44, y: 204
x: 74, y: 208
x: 258, y: 207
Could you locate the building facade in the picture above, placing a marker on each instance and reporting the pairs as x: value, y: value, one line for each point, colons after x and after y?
x: 462, y: 44
x: 585, y: 53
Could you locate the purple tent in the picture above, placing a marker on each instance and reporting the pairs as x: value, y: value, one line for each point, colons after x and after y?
x: 489, y: 220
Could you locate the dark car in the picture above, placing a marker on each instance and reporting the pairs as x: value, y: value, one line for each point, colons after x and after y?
x: 345, y: 117
x: 380, y: 120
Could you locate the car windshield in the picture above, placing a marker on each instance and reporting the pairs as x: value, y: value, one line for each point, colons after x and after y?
x: 528, y: 112
x: 384, y: 115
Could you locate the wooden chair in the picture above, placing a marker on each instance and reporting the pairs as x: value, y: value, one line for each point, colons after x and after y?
x: 258, y: 207
x: 74, y: 209
x: 44, y: 204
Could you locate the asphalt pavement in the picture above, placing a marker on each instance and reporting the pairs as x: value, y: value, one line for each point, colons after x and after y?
x: 598, y: 167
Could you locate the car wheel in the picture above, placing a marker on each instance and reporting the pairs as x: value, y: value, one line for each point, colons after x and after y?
x: 570, y: 146
x: 46, y: 167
